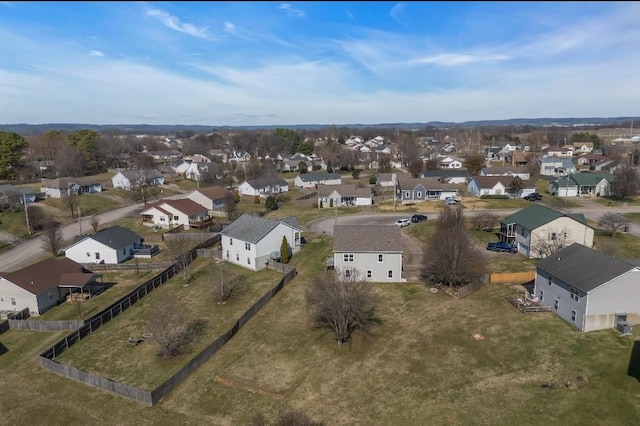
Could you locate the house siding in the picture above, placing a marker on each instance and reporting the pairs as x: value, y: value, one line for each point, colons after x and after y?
x: 576, y: 233
x: 619, y: 296
x: 109, y: 255
x: 561, y: 291
x: 369, y: 261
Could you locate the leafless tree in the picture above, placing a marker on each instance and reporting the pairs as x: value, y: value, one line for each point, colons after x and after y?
x: 95, y: 223
x: 532, y: 165
x: 169, y: 324
x: 230, y: 205
x: 450, y: 257
x: 613, y: 222
x: 408, y: 148
x: 342, y: 304
x: 52, y: 240
x: 625, y: 181
x: 469, y: 141
x: 416, y: 167
x: 37, y: 217
x: 484, y: 221
x: 384, y: 163
x: 71, y: 202
x: 536, y: 140
x: 179, y: 246
x: 228, y: 287
x: 549, y: 242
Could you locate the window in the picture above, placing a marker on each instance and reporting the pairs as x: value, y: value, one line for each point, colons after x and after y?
x: 380, y: 258
x: 237, y: 257
x: 418, y: 194
x: 573, y: 315
x: 390, y: 274
x: 554, y: 236
x: 549, y: 280
x: 368, y: 273
x: 230, y: 241
x: 50, y: 296
x: 176, y: 218
x: 161, y: 218
x: 248, y: 261
x: 227, y: 254
x: 97, y: 255
x: 13, y: 301
x: 556, y: 304
x: 247, y: 246
x: 541, y: 295
x: 348, y: 257
x: 347, y: 273
x: 124, y: 251
x: 575, y: 295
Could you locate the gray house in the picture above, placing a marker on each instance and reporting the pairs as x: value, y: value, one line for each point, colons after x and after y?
x: 589, y: 289
x: 370, y: 253
x: 416, y: 190
x: 112, y: 245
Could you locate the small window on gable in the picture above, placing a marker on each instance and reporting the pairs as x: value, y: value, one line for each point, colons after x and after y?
x: 573, y: 315
x: 247, y: 246
x: 380, y: 258
x: 554, y: 236
x: 237, y: 256
x: 390, y: 274
x: 556, y: 304
x: 230, y: 241
x: 368, y: 273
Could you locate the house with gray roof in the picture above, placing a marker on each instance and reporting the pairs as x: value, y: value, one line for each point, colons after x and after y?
x: 555, y: 166
x: 582, y: 185
x: 61, y: 187
x: 370, y: 253
x: 522, y: 172
x: 536, y: 230
x: 589, y: 289
x: 414, y: 190
x: 452, y: 176
x: 111, y: 245
x: 127, y: 179
x: 498, y: 185
x: 15, y: 194
x: 312, y: 180
x: 250, y: 241
x: 344, y: 195
x: 263, y: 187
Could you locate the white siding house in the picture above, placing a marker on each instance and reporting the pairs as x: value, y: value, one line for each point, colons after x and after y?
x: 370, y: 253
x: 263, y: 187
x: 128, y: 179
x: 589, y: 289
x: 311, y: 180
x: 498, y: 185
x: 213, y: 198
x: 171, y: 213
x: 112, y: 245
x: 249, y: 241
x: 344, y: 195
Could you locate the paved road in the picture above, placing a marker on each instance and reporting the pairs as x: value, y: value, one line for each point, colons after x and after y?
x: 29, y: 250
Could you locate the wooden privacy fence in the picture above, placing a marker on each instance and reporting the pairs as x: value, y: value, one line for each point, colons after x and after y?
x: 4, y: 326
x: 141, y: 266
x: 45, y: 325
x: 512, y: 277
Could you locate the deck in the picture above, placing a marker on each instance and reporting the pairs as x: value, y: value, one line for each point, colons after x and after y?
x: 526, y: 306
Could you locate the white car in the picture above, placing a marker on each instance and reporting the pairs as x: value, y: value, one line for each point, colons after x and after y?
x: 402, y: 223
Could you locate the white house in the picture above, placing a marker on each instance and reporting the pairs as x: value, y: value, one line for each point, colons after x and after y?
x: 589, y: 289
x: 127, y: 179
x: 498, y: 185
x: 61, y: 187
x: 111, y: 245
x: 344, y: 195
x: 263, y: 187
x: 554, y: 166
x: 368, y: 252
x: 42, y: 285
x: 213, y: 198
x: 450, y: 163
x: 311, y: 180
x: 249, y: 241
x: 171, y: 213
x: 189, y: 169
x: 522, y: 172
x: 582, y: 184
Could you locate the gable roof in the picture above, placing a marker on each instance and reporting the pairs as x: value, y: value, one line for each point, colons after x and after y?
x: 214, y: 192
x: 133, y: 175
x: 312, y: 177
x: 47, y: 274
x: 536, y: 215
x: 437, y: 173
x: 367, y: 238
x: 591, y: 179
x: 428, y: 184
x: 345, y: 190
x: 582, y: 267
x: 504, y: 169
x: 252, y: 229
x: 115, y: 237
x: 492, y: 181
x: 185, y: 205
x: 66, y: 182
x: 266, y: 183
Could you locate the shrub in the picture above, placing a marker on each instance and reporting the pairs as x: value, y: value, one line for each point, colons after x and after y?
x: 373, y: 179
x: 256, y: 199
x: 270, y: 203
x: 495, y: 197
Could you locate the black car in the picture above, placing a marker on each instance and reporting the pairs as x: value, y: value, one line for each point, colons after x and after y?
x: 417, y: 218
x: 533, y: 197
x: 502, y: 247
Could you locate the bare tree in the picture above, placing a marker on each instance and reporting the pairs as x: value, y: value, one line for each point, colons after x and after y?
x: 37, y: 217
x: 52, y: 240
x: 549, y: 242
x: 450, y: 256
x: 230, y: 205
x: 342, y: 304
x: 625, y: 181
x: 484, y: 221
x: 71, y: 202
x: 170, y: 327
x: 179, y: 246
x: 95, y: 223
x: 228, y: 287
x: 536, y: 140
x: 613, y: 222
x: 469, y: 141
x: 416, y: 167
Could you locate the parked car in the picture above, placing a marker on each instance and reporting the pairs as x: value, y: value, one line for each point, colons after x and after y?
x: 502, y: 247
x: 533, y: 197
x: 417, y: 218
x: 450, y: 201
x: 402, y: 223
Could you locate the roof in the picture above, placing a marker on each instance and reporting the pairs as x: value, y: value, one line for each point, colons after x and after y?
x: 504, y: 169
x: 252, y: 229
x: 185, y: 205
x: 115, y: 237
x: 536, y: 215
x: 445, y: 173
x: 312, y: 177
x: 345, y: 190
x: 214, y: 192
x: 591, y: 179
x: 66, y: 182
x: 135, y: 174
x: 353, y: 238
x: 14, y: 190
x: 491, y: 181
x: 582, y: 267
x: 427, y: 183
x: 45, y: 275
x: 267, y: 183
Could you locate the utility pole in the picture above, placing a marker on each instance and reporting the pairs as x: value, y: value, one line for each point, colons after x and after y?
x: 80, y: 220
x: 26, y: 212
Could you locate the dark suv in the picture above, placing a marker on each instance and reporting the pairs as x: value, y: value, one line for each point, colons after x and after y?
x: 533, y: 197
x: 417, y: 218
x: 502, y: 247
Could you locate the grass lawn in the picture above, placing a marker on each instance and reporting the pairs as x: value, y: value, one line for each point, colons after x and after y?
x: 616, y: 202
x: 107, y: 352
x: 13, y: 223
x: 624, y: 246
x: 632, y: 216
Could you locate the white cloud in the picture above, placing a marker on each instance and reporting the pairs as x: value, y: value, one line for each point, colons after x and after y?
x: 456, y: 59
x: 290, y: 10
x: 96, y: 53
x: 396, y: 11
x: 174, y: 23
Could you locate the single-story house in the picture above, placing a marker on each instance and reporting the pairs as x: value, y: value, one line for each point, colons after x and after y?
x: 212, y: 197
x: 190, y: 170
x: 14, y: 194
x: 589, y: 159
x: 450, y: 163
x: 311, y: 180
x: 537, y: 229
x: 498, y: 185
x: 263, y: 187
x: 387, y: 180
x: 558, y: 151
x: 554, y: 166
x: 413, y: 190
x: 61, y: 187
x: 368, y: 252
x: 452, y: 176
x: 128, y: 179
x: 522, y: 172
x: 171, y: 213
x: 583, y: 147
x: 250, y: 241
x: 582, y: 184
x: 589, y: 289
x: 344, y: 195
x: 42, y: 285
x: 111, y: 245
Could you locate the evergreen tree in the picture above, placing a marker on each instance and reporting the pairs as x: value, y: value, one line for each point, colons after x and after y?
x: 284, y: 251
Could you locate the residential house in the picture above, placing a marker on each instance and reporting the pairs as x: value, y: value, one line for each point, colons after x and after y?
x: 61, y: 187
x: 582, y: 185
x: 518, y: 158
x: 263, y: 187
x: 213, y: 198
x: 168, y: 213
x: 239, y: 156
x: 387, y: 180
x: 589, y: 289
x: 522, y: 172
x: 604, y: 164
x: 311, y: 180
x: 555, y: 166
x: 14, y: 194
x: 368, y: 252
x: 344, y: 195
x: 42, y: 285
x: 128, y: 179
x: 111, y: 245
x: 582, y: 147
x: 169, y: 154
x: 452, y: 176
x: 450, y: 163
x: 412, y: 190
x: 589, y: 159
x: 250, y: 241
x: 197, y: 158
x: 558, y: 151
x: 537, y: 229
x: 498, y: 185
x: 492, y: 153
x: 190, y: 170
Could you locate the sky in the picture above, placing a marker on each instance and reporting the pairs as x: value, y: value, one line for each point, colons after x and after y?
x: 271, y: 63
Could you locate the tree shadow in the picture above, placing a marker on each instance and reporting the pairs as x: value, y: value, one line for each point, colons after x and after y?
x: 634, y: 361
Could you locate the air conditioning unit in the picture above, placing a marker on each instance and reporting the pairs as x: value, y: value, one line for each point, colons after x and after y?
x: 624, y: 327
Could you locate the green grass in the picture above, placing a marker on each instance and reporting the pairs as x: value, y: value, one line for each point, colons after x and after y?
x: 624, y: 246
x: 616, y: 202
x: 632, y: 216
x: 13, y: 223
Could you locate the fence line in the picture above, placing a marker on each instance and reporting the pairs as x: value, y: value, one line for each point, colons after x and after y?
x: 141, y: 266
x: 45, y: 325
x: 4, y: 326
x: 512, y: 277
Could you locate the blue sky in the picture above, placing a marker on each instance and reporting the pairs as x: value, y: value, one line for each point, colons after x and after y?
x: 269, y: 63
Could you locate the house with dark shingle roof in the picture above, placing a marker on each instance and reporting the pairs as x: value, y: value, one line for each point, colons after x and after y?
x: 212, y: 197
x: 582, y: 184
x: 535, y: 228
x: 452, y: 176
x: 249, y: 241
x: 111, y: 245
x: 63, y: 186
x: 311, y: 180
x: 168, y: 213
x: 522, y: 172
x: 263, y: 187
x: 498, y: 185
x: 127, y: 179
x: 589, y: 289
x: 370, y: 253
x: 344, y: 195
x: 42, y: 285
x: 413, y: 190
